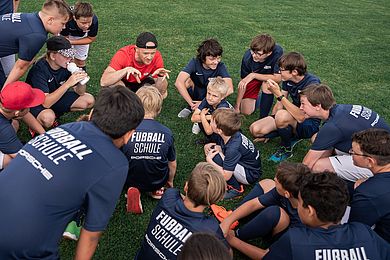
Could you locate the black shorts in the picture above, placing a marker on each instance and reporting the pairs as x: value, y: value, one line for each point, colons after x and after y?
x: 62, y: 106
x: 134, y: 86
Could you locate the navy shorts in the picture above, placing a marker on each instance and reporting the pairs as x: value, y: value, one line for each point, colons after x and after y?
x: 134, y: 86
x: 197, y: 93
x: 2, y: 77
x: 308, y: 128
x: 61, y: 106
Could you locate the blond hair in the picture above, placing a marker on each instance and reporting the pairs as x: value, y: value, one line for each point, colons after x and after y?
x: 206, y: 185
x: 151, y: 100
x: 218, y: 85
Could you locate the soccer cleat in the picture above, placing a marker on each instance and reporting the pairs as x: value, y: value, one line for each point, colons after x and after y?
x: 233, y: 193
x: 195, y: 128
x: 221, y: 213
x: 281, y: 154
x: 134, y: 204
x: 72, y: 231
x: 185, y: 112
x: 157, y: 194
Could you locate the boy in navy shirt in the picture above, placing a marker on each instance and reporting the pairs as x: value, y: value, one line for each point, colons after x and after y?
x: 176, y: 218
x: 215, y: 98
x: 151, y: 153
x: 322, y: 201
x: 81, y: 31
x: 278, y: 204
x: 15, y: 100
x: 334, y: 137
x: 26, y: 33
x: 234, y: 155
x: 74, y: 166
x: 64, y: 92
x: 259, y: 64
x: 288, y: 120
x: 192, y: 81
x: 370, y: 201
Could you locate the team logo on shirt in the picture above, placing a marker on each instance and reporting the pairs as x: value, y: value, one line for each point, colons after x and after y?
x: 13, y: 17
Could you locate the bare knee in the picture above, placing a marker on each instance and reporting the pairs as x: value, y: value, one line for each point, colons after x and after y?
x: 267, y: 185
x: 46, y: 118
x: 322, y: 165
x: 282, y: 118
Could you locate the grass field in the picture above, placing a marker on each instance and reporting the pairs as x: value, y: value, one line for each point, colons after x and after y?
x: 346, y: 43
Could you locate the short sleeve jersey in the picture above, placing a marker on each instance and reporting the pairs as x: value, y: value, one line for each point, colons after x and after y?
x: 149, y: 150
x: 223, y: 104
x: 273, y: 198
x: 72, y: 29
x: 43, y: 77
x: 269, y: 66
x: 22, y: 33
x: 54, y: 175
x: 348, y: 241
x: 240, y: 150
x: 200, y: 75
x: 171, y: 224
x: 370, y: 204
x: 125, y: 57
x: 6, y: 6
x: 294, y: 89
x: 343, y: 122
x: 9, y: 142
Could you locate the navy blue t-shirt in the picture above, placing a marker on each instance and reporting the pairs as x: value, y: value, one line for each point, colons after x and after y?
x: 293, y: 88
x: 6, y: 6
x: 348, y: 241
x: 223, y: 104
x: 343, y: 122
x: 43, y: 77
x: 370, y: 204
x: 240, y: 150
x: 274, y: 198
x: 9, y: 141
x: 200, y: 76
x: 269, y: 66
x: 23, y: 34
x: 149, y: 150
x: 53, y: 176
x: 72, y: 29
x: 171, y: 224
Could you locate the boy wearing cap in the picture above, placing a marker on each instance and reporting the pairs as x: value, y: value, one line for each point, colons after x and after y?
x: 26, y: 33
x: 135, y: 65
x: 15, y: 100
x: 63, y: 90
x: 81, y: 31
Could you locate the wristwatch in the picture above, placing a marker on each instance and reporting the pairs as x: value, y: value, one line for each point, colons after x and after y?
x: 280, y: 98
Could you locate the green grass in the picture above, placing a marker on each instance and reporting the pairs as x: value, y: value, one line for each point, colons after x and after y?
x: 346, y: 43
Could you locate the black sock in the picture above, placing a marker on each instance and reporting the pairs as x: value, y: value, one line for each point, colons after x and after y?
x: 286, y: 135
x: 234, y: 183
x: 265, y: 104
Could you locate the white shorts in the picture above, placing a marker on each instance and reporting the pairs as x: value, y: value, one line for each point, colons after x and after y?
x: 1, y: 160
x: 8, y: 63
x: 81, y: 50
x: 239, y: 174
x: 344, y: 168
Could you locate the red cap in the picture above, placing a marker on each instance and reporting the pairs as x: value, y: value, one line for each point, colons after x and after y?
x: 19, y: 95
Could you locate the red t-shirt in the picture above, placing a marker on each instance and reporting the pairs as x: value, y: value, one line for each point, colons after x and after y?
x: 125, y: 57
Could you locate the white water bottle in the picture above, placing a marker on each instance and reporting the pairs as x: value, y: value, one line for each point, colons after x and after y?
x: 72, y: 68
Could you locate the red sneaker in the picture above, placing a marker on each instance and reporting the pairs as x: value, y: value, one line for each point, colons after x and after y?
x: 134, y: 201
x: 157, y: 194
x: 221, y: 213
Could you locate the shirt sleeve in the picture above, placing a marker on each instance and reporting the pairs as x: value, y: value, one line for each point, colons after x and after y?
x: 172, y: 151
x: 281, y: 249
x: 102, y: 197
x: 29, y: 45
x: 202, y: 104
x: 327, y: 137
x: 245, y: 69
x: 223, y: 72
x: 93, y: 30
x: 37, y: 78
x: 190, y: 67
x: 9, y: 142
x: 119, y: 61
